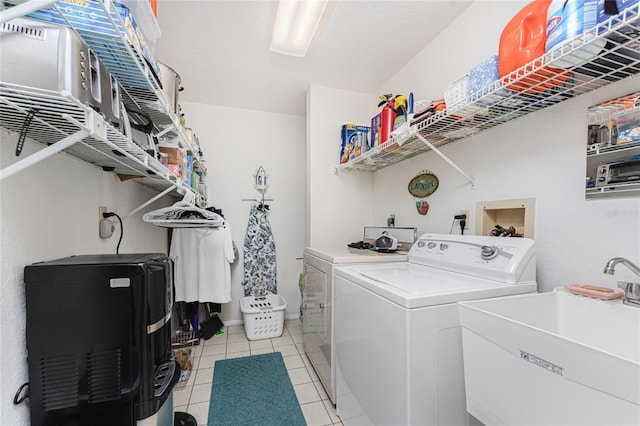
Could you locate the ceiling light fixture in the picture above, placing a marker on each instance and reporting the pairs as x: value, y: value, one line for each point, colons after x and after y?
x: 295, y: 25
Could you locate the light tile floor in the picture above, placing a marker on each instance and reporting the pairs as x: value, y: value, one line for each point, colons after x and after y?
x: 193, y: 396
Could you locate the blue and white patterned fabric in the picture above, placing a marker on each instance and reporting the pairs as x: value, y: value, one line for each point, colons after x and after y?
x: 259, y: 255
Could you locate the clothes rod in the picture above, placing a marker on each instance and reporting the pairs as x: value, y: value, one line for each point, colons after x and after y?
x: 257, y: 199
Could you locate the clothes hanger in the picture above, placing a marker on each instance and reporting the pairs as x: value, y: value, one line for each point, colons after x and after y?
x: 184, y: 214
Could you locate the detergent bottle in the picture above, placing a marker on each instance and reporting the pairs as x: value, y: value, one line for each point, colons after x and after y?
x: 400, y: 104
x: 567, y: 19
x: 523, y: 41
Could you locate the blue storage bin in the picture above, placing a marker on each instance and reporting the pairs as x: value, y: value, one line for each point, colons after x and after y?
x: 483, y: 75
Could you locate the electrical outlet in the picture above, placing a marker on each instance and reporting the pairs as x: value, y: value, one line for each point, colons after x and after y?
x: 105, y: 226
x: 101, y: 211
x: 468, y: 219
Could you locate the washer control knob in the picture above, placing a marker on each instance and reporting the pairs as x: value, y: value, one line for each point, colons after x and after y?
x: 489, y: 252
x: 420, y: 244
x: 444, y: 246
x: 431, y: 245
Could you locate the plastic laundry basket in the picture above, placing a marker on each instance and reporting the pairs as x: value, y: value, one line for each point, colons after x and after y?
x: 263, y: 316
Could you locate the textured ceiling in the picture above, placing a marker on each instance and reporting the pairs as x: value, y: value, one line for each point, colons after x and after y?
x: 220, y: 48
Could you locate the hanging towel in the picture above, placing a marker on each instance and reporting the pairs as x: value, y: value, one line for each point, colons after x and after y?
x: 202, y: 258
x: 259, y: 255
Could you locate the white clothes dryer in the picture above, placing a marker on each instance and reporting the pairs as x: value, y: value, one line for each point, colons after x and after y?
x: 397, y: 332
x: 318, y: 300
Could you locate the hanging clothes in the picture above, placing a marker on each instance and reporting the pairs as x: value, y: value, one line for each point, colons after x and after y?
x: 202, y: 258
x: 259, y: 255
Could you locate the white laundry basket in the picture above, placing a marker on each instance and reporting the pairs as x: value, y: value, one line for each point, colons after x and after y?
x: 263, y: 316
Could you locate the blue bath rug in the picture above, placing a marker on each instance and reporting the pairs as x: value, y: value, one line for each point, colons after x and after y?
x: 253, y: 390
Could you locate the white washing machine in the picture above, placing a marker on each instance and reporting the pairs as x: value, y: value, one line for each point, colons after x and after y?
x: 318, y: 301
x: 397, y: 332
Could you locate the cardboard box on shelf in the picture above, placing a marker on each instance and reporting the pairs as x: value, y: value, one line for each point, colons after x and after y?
x: 124, y: 177
x: 376, y: 125
x: 355, y: 141
x: 174, y: 154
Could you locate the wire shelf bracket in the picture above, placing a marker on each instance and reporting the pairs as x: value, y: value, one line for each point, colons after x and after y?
x: 93, y: 127
x: 152, y: 200
x: 447, y: 159
x: 43, y: 154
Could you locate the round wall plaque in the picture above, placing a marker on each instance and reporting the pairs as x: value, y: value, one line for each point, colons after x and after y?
x: 423, y: 185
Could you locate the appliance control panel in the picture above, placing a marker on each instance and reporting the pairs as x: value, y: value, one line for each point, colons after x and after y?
x: 496, y: 258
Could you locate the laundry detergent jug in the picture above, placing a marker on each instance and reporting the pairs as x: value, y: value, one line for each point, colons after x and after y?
x: 523, y: 41
x: 566, y: 20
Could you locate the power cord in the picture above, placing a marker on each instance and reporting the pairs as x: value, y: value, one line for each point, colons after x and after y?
x: 463, y: 222
x: 111, y: 214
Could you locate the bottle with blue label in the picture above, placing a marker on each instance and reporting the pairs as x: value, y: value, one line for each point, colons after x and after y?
x: 566, y: 20
x: 609, y: 8
x: 610, y: 66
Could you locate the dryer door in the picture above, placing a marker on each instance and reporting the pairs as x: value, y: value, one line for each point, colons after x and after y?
x: 317, y: 321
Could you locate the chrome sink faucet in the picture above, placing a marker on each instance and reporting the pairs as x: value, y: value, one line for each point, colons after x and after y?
x: 631, y: 290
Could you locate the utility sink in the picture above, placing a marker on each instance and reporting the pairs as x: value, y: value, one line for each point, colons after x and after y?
x: 551, y: 358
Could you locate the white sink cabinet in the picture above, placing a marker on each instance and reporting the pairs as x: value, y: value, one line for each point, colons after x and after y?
x: 551, y: 359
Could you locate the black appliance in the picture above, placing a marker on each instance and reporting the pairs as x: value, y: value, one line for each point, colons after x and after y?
x: 99, y: 340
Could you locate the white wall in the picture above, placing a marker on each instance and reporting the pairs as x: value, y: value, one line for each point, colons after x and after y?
x: 470, y: 39
x: 47, y: 212
x: 235, y: 142
x: 339, y: 205
x: 540, y: 156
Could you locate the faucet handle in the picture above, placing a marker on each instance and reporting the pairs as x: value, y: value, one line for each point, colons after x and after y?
x: 631, y: 292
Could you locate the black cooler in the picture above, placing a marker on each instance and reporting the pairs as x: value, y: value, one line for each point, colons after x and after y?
x: 99, y: 340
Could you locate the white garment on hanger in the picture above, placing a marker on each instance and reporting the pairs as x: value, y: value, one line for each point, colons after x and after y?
x: 202, y: 258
